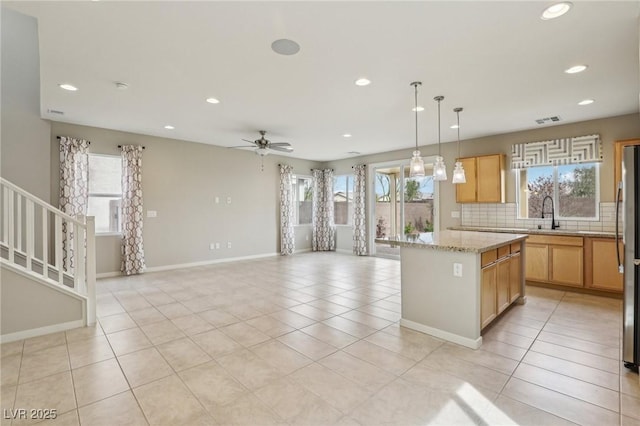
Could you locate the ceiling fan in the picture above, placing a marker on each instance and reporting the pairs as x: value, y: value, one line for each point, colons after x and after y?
x: 263, y: 146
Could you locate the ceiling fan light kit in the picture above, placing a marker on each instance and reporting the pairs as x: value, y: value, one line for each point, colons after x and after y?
x: 264, y: 146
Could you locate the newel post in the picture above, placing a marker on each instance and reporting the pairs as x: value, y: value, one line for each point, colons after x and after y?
x: 91, y: 270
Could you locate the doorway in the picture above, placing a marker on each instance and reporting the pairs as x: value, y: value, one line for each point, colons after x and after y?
x: 400, y: 205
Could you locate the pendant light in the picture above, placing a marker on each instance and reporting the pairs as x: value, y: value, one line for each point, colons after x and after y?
x: 439, y: 168
x: 416, y: 167
x: 458, y: 170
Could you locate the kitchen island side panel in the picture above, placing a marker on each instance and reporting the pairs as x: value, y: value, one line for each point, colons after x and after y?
x: 433, y: 297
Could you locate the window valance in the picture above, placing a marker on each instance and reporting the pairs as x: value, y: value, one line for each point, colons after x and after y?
x: 582, y: 149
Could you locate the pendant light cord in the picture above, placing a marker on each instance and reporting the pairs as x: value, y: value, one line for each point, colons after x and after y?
x: 439, y: 99
x: 415, y: 86
x: 457, y: 111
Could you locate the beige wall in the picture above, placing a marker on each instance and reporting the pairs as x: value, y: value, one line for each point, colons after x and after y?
x: 27, y: 304
x: 180, y: 181
x: 609, y: 129
x: 24, y: 136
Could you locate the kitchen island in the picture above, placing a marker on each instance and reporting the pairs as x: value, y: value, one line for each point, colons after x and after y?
x: 455, y: 283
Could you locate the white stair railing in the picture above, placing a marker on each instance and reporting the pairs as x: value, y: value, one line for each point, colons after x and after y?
x: 33, y: 230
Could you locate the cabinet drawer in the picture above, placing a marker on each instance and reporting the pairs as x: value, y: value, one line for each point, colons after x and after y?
x: 489, y: 257
x: 515, y: 247
x: 559, y: 240
x: 504, y: 251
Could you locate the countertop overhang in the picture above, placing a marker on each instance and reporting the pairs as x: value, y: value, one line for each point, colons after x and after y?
x: 456, y: 241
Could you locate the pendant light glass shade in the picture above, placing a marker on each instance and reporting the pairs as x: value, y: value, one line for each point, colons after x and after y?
x: 439, y: 168
x: 416, y: 167
x: 458, y: 174
x: 458, y: 170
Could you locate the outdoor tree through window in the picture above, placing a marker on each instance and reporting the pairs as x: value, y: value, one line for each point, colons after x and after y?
x: 573, y: 188
x: 105, y: 192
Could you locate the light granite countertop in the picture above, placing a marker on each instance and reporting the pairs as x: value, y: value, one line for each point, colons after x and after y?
x: 459, y: 241
x: 564, y: 232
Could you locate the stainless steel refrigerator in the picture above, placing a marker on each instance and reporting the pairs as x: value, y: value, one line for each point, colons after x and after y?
x: 629, y: 261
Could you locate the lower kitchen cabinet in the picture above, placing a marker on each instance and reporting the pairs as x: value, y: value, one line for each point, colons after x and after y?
x: 566, y: 265
x: 501, y: 281
x: 601, y: 264
x: 488, y: 304
x: 537, y: 268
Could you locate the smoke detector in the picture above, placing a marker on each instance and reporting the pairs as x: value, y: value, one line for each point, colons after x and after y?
x: 121, y: 86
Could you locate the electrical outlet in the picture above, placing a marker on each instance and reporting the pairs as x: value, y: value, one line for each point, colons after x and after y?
x: 228, y: 200
x: 217, y: 246
x: 228, y: 244
x: 212, y: 246
x: 306, y: 237
x: 457, y: 269
x: 217, y: 199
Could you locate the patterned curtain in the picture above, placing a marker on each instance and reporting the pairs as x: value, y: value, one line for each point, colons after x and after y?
x: 322, y: 219
x: 287, y: 237
x: 132, y: 211
x: 359, y: 225
x: 74, y: 193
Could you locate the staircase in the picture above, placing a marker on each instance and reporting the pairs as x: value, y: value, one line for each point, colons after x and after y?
x: 37, y: 241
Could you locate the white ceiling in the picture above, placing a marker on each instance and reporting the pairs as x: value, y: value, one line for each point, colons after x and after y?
x: 497, y: 60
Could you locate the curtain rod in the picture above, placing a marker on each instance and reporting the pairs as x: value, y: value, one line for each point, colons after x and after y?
x: 353, y: 167
x: 143, y: 147
x: 321, y: 169
x: 58, y: 137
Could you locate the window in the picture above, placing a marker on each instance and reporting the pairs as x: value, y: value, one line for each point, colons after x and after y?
x: 302, y: 199
x: 573, y: 188
x: 343, y: 199
x: 105, y: 192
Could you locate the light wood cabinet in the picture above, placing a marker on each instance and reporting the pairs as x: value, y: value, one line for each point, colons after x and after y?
x: 501, y: 281
x: 515, y: 276
x: 485, y: 180
x: 537, y: 267
x: 488, y: 308
x: 601, y: 264
x: 566, y: 265
x: 555, y: 259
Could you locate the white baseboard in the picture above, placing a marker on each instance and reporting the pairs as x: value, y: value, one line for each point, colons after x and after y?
x: 344, y: 251
x: 207, y: 262
x: 108, y: 274
x: 445, y: 335
x: 34, y: 332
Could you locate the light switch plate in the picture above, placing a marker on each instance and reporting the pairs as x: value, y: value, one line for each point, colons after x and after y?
x: 455, y: 214
x: 152, y: 213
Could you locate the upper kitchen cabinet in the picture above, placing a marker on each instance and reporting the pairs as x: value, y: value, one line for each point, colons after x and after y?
x: 485, y: 180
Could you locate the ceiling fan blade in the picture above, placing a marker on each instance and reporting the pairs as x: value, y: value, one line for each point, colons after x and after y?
x: 242, y: 146
x: 253, y: 142
x: 280, y: 144
x: 281, y: 148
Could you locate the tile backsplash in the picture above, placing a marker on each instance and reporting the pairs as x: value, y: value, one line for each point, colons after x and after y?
x: 504, y: 215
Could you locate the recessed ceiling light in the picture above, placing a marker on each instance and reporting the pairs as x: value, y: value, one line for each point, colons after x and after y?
x: 121, y: 86
x: 556, y: 10
x: 347, y: 135
x: 363, y: 82
x: 213, y: 101
x: 453, y: 126
x: 285, y: 47
x: 576, y: 69
x: 418, y: 109
x: 69, y: 87
x: 586, y: 102
x: 169, y: 127
x: 353, y: 152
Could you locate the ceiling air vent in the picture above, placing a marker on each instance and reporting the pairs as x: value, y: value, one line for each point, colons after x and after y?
x: 548, y: 120
x: 55, y: 111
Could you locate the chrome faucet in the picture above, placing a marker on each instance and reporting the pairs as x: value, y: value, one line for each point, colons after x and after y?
x: 553, y: 216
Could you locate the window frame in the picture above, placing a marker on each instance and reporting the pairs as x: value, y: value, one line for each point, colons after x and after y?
x: 350, y: 178
x: 106, y: 195
x: 555, y: 195
x: 296, y: 201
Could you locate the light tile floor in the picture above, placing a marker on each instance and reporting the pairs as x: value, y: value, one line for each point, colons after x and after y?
x: 314, y: 339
